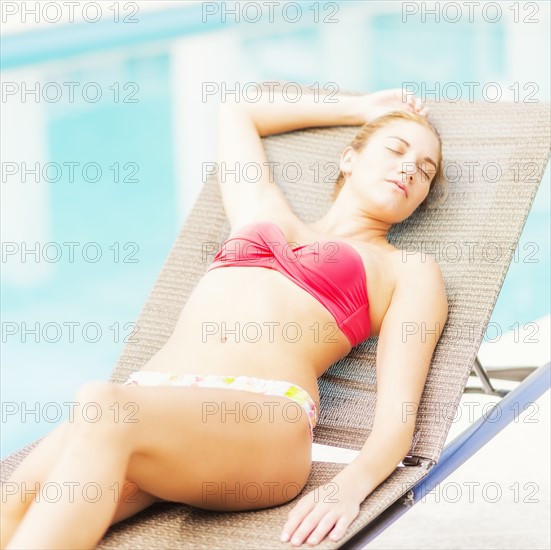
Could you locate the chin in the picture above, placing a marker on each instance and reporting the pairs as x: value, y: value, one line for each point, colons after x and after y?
x: 388, y: 202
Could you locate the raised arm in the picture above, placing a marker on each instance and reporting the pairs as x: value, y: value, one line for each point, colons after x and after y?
x: 247, y: 185
x: 410, y: 331
x: 277, y: 112
x: 246, y: 180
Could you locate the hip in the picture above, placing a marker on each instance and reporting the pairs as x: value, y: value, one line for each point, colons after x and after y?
x: 281, y: 388
x: 275, y: 366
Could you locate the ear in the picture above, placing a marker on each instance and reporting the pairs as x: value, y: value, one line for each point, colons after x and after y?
x: 345, y: 162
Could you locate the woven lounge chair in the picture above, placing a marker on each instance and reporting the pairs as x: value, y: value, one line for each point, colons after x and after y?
x: 470, y: 210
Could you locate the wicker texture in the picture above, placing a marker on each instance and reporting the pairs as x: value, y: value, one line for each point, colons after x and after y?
x: 179, y: 526
x: 471, y: 210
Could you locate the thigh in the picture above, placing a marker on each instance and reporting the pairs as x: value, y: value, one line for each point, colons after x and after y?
x: 36, y: 465
x: 132, y: 500
x: 202, y: 446
x: 19, y: 491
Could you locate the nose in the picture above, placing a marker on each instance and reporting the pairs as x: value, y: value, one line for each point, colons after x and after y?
x: 409, y: 169
x: 408, y: 176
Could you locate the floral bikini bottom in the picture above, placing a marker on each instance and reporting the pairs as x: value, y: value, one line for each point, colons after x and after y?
x: 247, y: 383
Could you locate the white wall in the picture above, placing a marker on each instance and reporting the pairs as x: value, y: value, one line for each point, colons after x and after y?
x: 24, y: 207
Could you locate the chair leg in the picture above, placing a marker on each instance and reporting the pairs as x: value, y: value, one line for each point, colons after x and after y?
x: 487, y: 387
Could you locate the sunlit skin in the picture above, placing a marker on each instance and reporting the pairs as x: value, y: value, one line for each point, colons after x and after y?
x: 368, y: 205
x: 163, y: 455
x: 397, y: 151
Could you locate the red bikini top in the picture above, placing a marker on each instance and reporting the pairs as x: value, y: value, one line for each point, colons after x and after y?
x: 331, y: 271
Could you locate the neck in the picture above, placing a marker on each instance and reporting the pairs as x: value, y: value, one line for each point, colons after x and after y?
x: 345, y: 219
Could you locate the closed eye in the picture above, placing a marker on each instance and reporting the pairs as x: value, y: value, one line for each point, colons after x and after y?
x: 398, y: 153
x: 424, y: 172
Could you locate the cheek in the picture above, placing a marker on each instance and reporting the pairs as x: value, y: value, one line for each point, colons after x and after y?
x: 371, y: 169
x: 423, y: 192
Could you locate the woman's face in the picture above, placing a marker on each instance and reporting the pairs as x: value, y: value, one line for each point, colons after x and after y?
x: 403, y: 151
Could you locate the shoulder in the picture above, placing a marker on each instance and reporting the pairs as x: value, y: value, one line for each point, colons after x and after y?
x: 419, y: 274
x: 407, y: 262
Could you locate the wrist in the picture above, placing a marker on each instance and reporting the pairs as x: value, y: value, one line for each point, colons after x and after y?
x: 354, y: 480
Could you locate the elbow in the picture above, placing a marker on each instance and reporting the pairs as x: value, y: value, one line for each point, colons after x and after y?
x: 403, y: 444
x: 227, y: 106
x: 405, y: 439
x: 406, y: 449
x: 231, y: 114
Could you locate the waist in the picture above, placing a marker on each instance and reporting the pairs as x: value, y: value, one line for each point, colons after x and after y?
x: 348, y: 311
x: 177, y: 358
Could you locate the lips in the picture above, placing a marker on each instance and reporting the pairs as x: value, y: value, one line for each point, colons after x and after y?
x: 400, y: 185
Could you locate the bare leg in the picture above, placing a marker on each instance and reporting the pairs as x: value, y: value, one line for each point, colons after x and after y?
x: 21, y: 489
x: 132, y: 501
x: 39, y: 468
x: 95, y: 467
x: 170, y: 433
x: 18, y: 491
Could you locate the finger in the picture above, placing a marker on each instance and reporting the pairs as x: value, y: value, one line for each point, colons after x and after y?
x: 324, y: 526
x: 417, y: 104
x: 308, y: 524
x: 295, y: 517
x: 340, y: 528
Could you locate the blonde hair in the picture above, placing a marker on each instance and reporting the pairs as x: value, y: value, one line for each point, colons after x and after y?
x: 369, y: 128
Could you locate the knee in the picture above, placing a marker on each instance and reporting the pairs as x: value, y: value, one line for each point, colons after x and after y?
x: 95, y: 391
x: 96, y: 409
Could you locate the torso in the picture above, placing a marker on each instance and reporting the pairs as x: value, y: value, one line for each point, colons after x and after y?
x: 283, y: 333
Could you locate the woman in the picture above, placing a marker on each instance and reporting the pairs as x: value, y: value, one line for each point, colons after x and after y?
x: 173, y: 431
